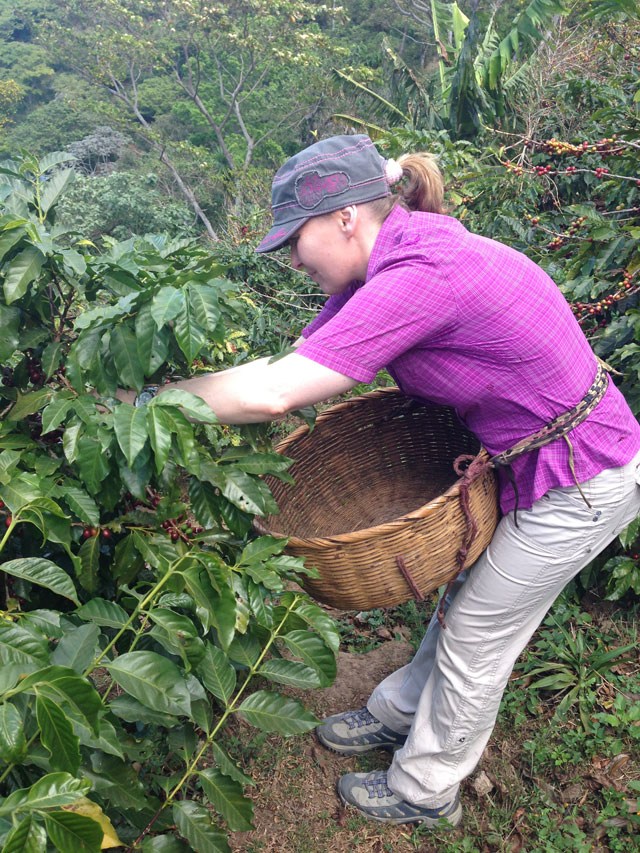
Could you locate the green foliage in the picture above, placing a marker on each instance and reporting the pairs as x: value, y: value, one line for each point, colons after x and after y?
x: 49, y: 127
x: 123, y: 204
x: 622, y: 567
x: 528, y: 29
x: 570, y: 666
x: 472, y: 70
x: 226, y: 70
x: 28, y: 65
x: 10, y: 96
x: 283, y: 299
x: 119, y: 584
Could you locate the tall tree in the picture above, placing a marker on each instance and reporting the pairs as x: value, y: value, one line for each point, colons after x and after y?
x: 240, y: 65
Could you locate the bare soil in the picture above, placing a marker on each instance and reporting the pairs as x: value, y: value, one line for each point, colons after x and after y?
x: 295, y: 800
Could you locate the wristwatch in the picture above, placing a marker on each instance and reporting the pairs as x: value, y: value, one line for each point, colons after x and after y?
x: 147, y: 393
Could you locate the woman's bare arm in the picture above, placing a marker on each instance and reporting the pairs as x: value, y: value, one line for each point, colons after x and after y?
x: 263, y: 389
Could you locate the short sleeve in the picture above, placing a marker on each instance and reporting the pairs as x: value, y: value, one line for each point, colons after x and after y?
x: 407, y: 303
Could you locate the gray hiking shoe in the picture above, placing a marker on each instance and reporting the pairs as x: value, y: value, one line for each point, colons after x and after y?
x: 369, y: 793
x: 357, y: 731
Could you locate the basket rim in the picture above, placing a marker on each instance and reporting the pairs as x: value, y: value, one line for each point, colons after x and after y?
x: 334, y: 411
x: 378, y: 530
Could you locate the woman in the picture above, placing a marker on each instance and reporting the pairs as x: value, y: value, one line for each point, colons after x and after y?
x: 460, y: 320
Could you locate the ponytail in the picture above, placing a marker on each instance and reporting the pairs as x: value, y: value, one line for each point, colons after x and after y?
x: 420, y: 188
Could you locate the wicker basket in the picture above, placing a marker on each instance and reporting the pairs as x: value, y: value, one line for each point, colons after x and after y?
x: 374, y: 481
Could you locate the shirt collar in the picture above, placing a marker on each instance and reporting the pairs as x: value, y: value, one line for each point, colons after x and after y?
x: 389, y: 235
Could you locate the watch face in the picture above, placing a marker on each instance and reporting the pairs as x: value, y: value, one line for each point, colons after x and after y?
x: 144, y: 397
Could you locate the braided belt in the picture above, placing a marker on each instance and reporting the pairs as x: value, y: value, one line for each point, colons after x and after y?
x: 559, y: 426
x: 471, y: 467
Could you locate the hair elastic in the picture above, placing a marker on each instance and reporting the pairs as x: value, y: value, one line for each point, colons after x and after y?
x: 392, y: 172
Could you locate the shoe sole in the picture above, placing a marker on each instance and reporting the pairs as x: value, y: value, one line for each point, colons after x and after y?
x: 452, y: 819
x: 358, y: 749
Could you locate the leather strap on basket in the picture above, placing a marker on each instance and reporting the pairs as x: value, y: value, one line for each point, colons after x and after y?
x: 469, y: 468
x: 413, y: 586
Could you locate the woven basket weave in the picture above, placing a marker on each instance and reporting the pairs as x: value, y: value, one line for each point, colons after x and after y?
x: 374, y: 481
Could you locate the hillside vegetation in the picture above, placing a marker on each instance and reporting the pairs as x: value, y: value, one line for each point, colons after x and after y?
x: 142, y: 620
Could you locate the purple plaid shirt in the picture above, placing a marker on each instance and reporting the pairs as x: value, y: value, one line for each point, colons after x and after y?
x: 467, y: 322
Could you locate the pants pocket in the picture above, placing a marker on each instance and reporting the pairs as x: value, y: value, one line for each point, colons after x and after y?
x: 562, y: 521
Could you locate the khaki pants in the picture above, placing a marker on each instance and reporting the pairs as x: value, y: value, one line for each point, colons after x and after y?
x: 447, y: 698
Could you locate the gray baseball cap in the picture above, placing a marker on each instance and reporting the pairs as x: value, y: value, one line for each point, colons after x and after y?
x: 327, y: 176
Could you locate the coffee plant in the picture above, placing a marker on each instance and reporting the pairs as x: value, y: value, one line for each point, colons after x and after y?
x: 138, y: 614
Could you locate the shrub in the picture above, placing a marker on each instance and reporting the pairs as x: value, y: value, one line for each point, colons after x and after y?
x: 136, y: 611
x: 121, y: 205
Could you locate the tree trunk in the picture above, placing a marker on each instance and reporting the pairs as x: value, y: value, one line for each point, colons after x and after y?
x: 188, y: 193
x: 184, y: 187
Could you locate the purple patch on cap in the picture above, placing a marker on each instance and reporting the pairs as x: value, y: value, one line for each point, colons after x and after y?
x: 311, y: 189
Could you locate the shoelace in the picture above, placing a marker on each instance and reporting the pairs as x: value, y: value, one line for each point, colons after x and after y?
x: 359, y: 718
x: 376, y: 785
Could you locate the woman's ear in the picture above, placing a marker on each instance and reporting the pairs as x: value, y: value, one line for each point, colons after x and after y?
x: 348, y: 218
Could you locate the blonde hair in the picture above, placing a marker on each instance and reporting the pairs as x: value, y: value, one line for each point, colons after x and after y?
x: 421, y: 187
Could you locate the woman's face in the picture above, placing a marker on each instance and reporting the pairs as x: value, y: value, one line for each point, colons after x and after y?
x: 323, y: 249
